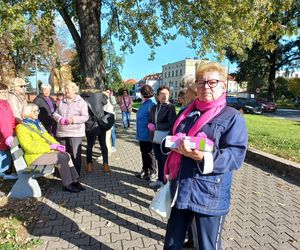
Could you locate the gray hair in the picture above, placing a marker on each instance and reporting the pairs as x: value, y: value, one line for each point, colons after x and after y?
x: 27, y: 109
x: 188, y: 81
x: 72, y: 85
x: 45, y: 86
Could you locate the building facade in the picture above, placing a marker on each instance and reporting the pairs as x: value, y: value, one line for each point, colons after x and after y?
x: 154, y: 80
x: 172, y: 73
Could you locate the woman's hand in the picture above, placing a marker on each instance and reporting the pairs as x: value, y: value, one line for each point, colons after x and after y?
x: 183, y: 149
x: 70, y: 120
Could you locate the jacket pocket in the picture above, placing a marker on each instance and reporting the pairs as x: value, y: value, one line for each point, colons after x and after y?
x: 208, y: 188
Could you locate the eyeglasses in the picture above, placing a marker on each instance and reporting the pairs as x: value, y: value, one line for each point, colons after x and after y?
x: 211, y: 83
x: 23, y: 86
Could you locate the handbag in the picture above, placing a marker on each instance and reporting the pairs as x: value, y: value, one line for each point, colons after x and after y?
x: 161, y: 203
x: 159, y: 135
x: 106, y: 121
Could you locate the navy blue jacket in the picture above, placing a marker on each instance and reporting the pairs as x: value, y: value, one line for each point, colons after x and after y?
x: 210, y: 194
x: 142, y: 117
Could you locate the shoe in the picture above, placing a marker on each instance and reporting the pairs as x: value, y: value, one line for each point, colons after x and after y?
x: 156, y: 184
x: 89, y: 167
x: 141, y: 174
x: 188, y: 244
x: 153, y: 176
x: 113, y: 149
x: 106, y: 168
x: 79, y: 186
x: 71, y: 188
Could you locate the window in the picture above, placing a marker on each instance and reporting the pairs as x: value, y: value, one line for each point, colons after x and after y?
x: 180, y: 72
x: 172, y: 72
x: 176, y: 72
x: 165, y: 74
x: 169, y: 74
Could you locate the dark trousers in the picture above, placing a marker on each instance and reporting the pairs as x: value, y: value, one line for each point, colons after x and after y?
x: 148, y: 158
x: 66, y: 168
x: 209, y: 229
x: 161, y: 159
x: 90, y: 143
x: 73, y: 147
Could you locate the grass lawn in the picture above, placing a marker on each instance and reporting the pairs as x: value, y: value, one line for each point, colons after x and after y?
x: 276, y: 136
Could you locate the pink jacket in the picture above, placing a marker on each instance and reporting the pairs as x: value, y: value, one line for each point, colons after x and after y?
x: 76, y: 109
x: 125, y: 103
x: 7, y: 123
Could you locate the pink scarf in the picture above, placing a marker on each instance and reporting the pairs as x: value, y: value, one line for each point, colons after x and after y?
x: 211, y: 109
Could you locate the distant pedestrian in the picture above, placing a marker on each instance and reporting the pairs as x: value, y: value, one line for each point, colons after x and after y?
x: 143, y: 134
x: 16, y: 96
x: 108, y: 107
x: 96, y: 100
x: 125, y: 103
x: 181, y: 98
x: 113, y: 102
x: 71, y: 115
x: 59, y: 97
x: 47, y: 107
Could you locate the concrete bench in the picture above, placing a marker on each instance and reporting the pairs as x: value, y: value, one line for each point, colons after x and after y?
x: 26, y: 185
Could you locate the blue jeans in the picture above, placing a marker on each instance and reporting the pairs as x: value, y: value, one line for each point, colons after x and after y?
x: 126, y: 119
x: 113, y: 136
x: 209, y: 229
x: 5, y: 160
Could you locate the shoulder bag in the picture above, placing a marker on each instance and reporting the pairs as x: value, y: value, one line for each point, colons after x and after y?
x: 159, y: 135
x: 106, y: 121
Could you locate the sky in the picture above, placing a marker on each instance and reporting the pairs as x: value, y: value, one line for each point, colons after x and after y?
x: 137, y: 65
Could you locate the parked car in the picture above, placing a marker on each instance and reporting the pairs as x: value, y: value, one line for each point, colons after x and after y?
x: 267, y: 106
x: 246, y: 105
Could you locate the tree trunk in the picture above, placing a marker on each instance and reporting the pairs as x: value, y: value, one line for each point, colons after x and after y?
x: 272, y: 75
x: 91, y: 56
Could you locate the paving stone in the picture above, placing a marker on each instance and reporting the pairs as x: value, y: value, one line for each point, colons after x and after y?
x: 113, y: 212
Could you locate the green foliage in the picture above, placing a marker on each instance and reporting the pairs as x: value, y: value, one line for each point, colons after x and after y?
x: 282, y: 88
x: 294, y: 86
x: 275, y: 136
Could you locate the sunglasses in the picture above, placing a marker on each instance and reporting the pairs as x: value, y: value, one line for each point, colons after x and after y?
x: 23, y: 86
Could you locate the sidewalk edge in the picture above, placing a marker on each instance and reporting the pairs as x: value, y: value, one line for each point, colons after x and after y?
x: 272, y: 161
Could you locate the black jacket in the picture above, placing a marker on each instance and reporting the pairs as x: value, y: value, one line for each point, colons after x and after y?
x: 165, y: 118
x: 96, y: 100
x: 45, y: 115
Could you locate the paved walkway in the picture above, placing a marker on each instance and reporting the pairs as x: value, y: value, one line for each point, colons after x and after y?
x: 113, y: 212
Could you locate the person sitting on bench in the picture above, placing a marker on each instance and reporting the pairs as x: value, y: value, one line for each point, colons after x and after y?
x: 40, y: 148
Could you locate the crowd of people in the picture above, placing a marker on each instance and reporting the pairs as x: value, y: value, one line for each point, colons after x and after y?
x: 52, y: 131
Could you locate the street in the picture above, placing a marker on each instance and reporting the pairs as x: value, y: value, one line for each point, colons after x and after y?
x: 289, y: 114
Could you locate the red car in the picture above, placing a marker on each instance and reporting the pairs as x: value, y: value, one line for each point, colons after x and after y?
x: 267, y: 106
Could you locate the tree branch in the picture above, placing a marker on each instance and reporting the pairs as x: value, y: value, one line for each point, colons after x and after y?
x: 62, y: 9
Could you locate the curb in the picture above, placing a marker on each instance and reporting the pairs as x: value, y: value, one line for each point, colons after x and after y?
x: 273, y: 162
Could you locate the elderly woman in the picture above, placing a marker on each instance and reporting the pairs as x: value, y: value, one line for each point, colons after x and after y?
x: 201, y: 181
x: 161, y: 120
x: 71, y: 115
x: 40, y: 148
x: 47, y: 107
x: 7, y: 125
x: 16, y: 96
x: 96, y: 101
